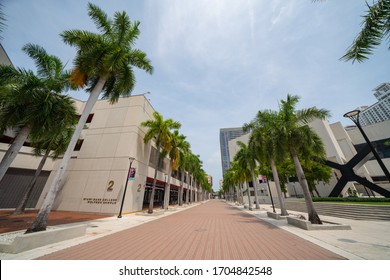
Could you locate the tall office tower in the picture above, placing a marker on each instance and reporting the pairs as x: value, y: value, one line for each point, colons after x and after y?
x: 379, y: 111
x: 225, y: 135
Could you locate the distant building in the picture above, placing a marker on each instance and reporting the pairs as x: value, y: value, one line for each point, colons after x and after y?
x: 210, y: 180
x: 379, y: 111
x: 4, y: 59
x: 341, y: 145
x: 225, y: 135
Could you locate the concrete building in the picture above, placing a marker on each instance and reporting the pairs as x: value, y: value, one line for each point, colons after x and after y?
x: 379, y: 111
x: 225, y: 135
x: 97, y: 173
x: 4, y: 59
x: 341, y: 145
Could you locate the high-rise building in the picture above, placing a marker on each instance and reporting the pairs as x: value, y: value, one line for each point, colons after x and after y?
x: 379, y: 111
x: 225, y: 135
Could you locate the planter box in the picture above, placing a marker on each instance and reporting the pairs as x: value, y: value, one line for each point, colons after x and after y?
x: 276, y: 216
x: 304, y: 224
x: 25, y: 242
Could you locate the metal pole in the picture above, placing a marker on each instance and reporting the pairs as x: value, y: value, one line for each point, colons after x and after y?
x: 124, y: 193
x: 379, y: 160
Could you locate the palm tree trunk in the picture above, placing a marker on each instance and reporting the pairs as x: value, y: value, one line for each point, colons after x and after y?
x: 181, y: 188
x: 195, y: 191
x: 168, y: 188
x: 23, y: 203
x: 237, y: 194
x: 13, y: 150
x: 255, y: 186
x: 283, y: 209
x: 249, y: 196
x: 188, y: 189
x: 151, y: 200
x: 40, y: 221
x: 242, y: 194
x: 313, y: 216
x: 188, y: 193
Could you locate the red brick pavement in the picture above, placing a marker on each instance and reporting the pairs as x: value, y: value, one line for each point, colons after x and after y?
x: 211, y: 231
x: 10, y: 222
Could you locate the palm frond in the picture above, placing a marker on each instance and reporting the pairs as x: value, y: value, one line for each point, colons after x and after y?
x: 2, y: 20
x: 100, y: 18
x: 305, y: 116
x: 109, y: 53
x: 375, y: 27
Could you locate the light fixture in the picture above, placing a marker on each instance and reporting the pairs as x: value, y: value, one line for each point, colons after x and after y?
x: 131, y: 159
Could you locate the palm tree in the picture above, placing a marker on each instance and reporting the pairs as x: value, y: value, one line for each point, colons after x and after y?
x: 227, y: 183
x: 246, y: 158
x: 181, y: 154
x: 263, y: 141
x: 56, y: 143
x: 177, y: 145
x: 233, y: 177
x: 194, y: 164
x: 205, y: 186
x: 103, y: 63
x: 375, y: 28
x: 302, y: 141
x: 183, y: 167
x: 232, y: 182
x: 241, y: 175
x: 31, y: 103
x: 159, y: 130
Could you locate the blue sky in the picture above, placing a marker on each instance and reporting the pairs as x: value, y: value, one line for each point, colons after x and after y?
x: 217, y: 62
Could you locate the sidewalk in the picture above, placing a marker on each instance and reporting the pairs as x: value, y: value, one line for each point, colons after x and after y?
x: 366, y: 240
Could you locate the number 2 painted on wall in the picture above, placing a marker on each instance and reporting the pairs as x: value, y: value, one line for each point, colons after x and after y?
x: 110, y: 186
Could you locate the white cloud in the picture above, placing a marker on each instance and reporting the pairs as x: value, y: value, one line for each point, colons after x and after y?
x: 219, y: 61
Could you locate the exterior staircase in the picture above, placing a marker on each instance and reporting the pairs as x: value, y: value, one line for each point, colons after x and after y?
x: 347, y: 211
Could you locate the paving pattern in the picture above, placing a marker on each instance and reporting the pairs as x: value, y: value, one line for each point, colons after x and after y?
x: 10, y: 222
x: 210, y: 231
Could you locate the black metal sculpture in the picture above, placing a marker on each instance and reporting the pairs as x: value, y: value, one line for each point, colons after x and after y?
x: 348, y: 174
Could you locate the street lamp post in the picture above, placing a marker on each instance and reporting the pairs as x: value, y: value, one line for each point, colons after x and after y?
x: 127, y: 181
x: 354, y: 116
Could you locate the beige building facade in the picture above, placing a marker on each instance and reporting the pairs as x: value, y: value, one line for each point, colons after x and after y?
x: 97, y: 173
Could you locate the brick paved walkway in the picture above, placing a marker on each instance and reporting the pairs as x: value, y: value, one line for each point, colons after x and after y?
x: 210, y: 231
x: 9, y: 222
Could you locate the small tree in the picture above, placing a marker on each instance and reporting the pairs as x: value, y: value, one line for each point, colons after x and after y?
x: 159, y: 130
x: 316, y: 172
x: 301, y: 142
x: 32, y: 104
x: 178, y: 145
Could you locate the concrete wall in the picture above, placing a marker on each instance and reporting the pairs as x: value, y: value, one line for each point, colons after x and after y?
x: 96, y: 178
